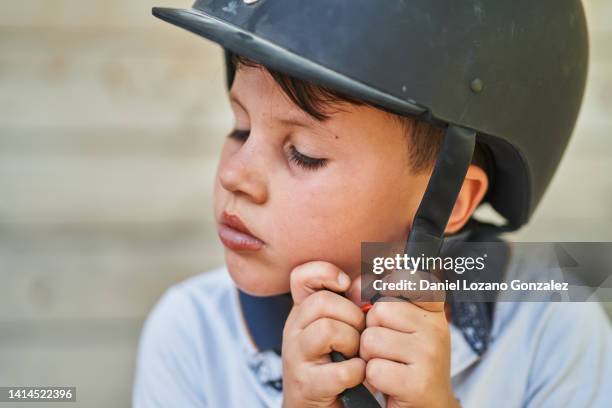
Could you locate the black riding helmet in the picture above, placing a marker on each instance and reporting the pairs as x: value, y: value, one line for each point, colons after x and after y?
x: 513, y: 71
x: 508, y: 74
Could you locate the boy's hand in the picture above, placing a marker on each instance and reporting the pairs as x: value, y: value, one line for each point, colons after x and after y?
x: 319, y: 322
x: 407, y: 349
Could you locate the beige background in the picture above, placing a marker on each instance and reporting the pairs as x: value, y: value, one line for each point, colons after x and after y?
x: 110, y: 123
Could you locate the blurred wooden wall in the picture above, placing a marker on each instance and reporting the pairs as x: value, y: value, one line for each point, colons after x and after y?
x: 110, y: 125
x: 578, y: 204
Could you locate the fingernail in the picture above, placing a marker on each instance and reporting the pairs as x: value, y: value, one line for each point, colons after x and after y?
x: 343, y: 279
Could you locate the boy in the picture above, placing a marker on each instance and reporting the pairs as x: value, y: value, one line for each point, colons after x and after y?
x: 352, y: 123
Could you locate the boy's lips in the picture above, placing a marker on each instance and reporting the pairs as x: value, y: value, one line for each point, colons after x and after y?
x: 235, y: 235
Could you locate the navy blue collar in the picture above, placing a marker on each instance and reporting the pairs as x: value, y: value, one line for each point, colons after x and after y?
x: 265, y: 316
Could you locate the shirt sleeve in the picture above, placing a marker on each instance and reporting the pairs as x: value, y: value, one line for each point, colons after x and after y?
x: 168, y: 372
x: 572, y: 365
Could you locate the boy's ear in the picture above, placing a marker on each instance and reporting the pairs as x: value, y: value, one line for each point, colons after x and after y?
x: 473, y: 190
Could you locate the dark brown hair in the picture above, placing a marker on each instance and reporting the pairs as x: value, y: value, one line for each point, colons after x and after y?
x: 321, y: 102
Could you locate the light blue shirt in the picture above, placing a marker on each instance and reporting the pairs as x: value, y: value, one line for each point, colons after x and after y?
x: 195, y: 351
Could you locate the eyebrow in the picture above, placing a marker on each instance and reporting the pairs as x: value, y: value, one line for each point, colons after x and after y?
x: 286, y: 121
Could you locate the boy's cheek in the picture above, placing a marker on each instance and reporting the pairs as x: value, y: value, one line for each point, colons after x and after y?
x: 312, y: 222
x: 321, y: 231
x: 343, y: 252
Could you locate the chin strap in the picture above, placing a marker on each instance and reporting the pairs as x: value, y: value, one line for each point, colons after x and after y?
x: 427, y: 232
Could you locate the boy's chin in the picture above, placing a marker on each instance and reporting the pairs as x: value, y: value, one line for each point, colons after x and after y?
x: 256, y: 282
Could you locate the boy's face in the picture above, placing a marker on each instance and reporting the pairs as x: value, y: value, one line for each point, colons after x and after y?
x: 363, y: 191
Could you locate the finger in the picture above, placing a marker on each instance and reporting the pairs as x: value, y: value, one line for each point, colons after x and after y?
x: 389, y: 377
x: 401, y: 315
x: 420, y: 295
x: 370, y: 387
x: 366, y: 289
x: 333, y: 378
x: 324, y: 335
x: 328, y: 304
x: 310, y: 277
x: 380, y: 342
x: 354, y: 292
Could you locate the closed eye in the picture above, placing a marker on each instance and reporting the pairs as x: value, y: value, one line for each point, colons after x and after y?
x: 300, y: 159
x: 240, y: 135
x: 307, y: 162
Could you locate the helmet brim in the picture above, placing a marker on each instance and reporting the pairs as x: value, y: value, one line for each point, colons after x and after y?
x: 272, y: 56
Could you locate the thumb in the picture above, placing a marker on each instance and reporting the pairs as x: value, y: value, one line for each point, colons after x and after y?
x: 431, y: 300
x: 354, y: 292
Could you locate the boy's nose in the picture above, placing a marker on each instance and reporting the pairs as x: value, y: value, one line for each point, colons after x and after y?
x: 243, y: 172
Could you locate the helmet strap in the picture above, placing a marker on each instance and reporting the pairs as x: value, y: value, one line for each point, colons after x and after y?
x: 427, y: 232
